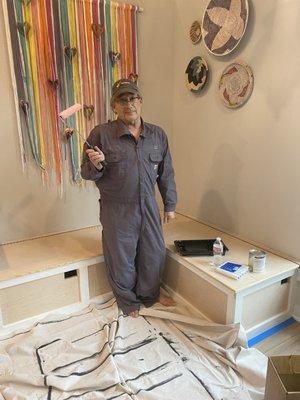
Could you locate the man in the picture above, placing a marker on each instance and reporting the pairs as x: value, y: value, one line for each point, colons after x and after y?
x: 128, y: 157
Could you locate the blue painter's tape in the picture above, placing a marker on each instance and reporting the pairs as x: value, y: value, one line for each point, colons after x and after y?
x: 271, y: 331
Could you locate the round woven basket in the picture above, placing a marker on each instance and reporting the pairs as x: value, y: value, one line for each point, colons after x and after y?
x: 236, y: 84
x: 223, y: 25
x: 195, y: 32
x: 196, y: 74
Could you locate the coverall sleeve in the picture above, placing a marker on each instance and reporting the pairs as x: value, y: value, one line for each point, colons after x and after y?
x: 88, y: 170
x: 165, y: 181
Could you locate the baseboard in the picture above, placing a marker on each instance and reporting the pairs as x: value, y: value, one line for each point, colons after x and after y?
x: 267, y: 324
x: 270, y: 332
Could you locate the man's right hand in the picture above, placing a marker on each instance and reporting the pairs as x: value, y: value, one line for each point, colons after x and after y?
x: 96, y: 156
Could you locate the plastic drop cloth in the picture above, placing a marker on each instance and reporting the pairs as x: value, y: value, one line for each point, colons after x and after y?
x: 98, y: 353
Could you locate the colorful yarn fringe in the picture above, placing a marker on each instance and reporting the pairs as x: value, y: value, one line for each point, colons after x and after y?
x: 65, y: 52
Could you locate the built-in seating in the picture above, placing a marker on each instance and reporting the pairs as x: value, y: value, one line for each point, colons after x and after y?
x: 65, y: 271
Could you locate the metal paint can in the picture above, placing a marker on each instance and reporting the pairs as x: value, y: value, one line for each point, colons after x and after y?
x: 259, y: 261
x: 252, y: 252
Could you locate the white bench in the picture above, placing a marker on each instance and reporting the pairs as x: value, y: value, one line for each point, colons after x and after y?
x: 258, y: 301
x: 63, y: 272
x: 59, y: 272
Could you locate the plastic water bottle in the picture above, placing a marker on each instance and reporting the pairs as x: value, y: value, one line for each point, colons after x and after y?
x: 218, y: 251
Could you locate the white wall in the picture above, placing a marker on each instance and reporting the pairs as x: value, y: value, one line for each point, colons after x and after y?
x: 239, y: 169
x: 27, y: 209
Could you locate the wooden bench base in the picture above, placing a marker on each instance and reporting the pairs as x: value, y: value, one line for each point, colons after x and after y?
x: 66, y: 271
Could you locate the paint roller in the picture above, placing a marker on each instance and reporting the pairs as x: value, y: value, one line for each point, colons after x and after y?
x: 68, y: 112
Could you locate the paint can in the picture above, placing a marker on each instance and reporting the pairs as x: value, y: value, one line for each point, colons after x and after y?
x: 258, y: 261
x: 250, y: 259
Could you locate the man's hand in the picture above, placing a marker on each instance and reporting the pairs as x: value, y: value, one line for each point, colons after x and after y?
x: 168, y: 216
x: 96, y: 156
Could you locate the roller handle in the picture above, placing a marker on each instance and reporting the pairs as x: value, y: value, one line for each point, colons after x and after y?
x: 103, y: 163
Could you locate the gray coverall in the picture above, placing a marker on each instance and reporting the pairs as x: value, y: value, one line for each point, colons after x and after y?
x: 133, y: 244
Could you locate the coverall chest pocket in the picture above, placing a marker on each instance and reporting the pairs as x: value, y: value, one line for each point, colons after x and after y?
x: 116, y: 165
x: 155, y: 159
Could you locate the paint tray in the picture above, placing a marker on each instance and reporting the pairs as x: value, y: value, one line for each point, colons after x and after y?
x: 197, y: 247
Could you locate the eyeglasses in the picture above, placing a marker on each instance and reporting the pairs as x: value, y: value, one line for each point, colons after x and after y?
x: 132, y: 100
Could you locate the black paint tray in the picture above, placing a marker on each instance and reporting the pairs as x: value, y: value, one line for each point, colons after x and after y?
x: 197, y: 247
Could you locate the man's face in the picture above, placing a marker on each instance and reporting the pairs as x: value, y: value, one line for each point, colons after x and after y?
x: 128, y: 107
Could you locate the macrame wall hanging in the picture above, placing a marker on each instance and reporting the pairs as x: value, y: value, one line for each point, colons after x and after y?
x: 64, y: 52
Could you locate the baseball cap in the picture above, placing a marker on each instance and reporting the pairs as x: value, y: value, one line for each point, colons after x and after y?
x: 123, y: 86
